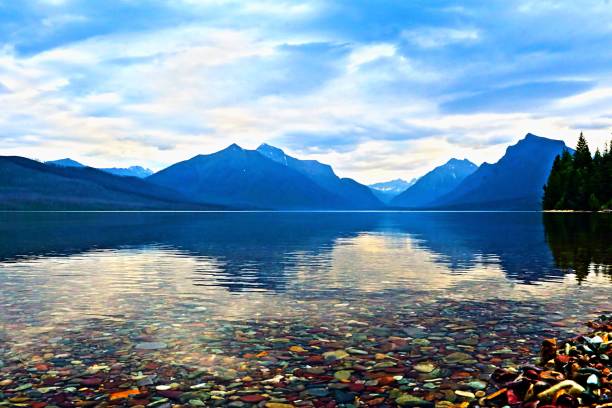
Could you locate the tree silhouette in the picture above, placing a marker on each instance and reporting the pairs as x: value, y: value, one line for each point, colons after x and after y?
x: 579, y: 181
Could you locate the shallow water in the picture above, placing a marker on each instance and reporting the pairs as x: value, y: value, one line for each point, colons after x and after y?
x: 230, y: 293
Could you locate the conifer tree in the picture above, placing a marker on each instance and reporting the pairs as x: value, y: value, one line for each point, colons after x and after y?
x: 553, y: 188
x: 582, y: 157
x: 580, y: 182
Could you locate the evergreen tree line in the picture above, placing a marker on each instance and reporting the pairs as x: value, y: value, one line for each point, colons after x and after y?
x: 580, y: 242
x: 580, y: 181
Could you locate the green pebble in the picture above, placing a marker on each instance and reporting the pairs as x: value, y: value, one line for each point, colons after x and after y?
x: 343, y: 375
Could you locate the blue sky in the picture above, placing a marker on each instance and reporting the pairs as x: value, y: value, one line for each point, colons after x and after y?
x: 379, y: 89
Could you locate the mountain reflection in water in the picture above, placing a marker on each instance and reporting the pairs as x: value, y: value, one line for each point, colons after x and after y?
x: 266, y: 251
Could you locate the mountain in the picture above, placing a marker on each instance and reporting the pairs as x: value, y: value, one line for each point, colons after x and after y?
x: 515, y: 182
x: 247, y: 179
x: 65, y: 163
x: 132, y: 171
x: 385, y: 191
x: 353, y: 194
x: 29, y: 185
x: 435, y: 184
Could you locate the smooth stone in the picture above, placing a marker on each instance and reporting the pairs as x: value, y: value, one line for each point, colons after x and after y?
x: 23, y: 387
x: 596, y: 340
x: 318, y: 392
x: 502, y: 351
x: 457, y: 357
x: 414, y: 332
x: 407, y: 400
x: 465, y: 394
x: 477, y: 385
x: 344, y: 397
x: 569, y: 386
x: 592, y: 380
x: 343, y: 375
x: 151, y: 345
x: 425, y: 367
x: 335, y: 355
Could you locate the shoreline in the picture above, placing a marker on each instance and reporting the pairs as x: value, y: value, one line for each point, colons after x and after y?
x: 322, y: 373
x: 574, y: 373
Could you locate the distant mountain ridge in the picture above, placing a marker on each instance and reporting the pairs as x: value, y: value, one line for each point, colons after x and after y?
x: 245, y: 178
x: 515, y: 182
x: 67, y: 162
x: 267, y: 178
x: 355, y: 195
x: 132, y: 171
x: 435, y: 184
x: 387, y: 190
x: 30, y: 185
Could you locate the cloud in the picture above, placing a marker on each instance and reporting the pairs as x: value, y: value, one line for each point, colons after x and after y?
x: 433, y: 37
x: 379, y: 89
x: 369, y: 53
x: 520, y: 97
x: 346, y: 140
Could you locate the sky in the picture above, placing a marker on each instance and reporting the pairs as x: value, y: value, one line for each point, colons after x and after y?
x: 379, y: 89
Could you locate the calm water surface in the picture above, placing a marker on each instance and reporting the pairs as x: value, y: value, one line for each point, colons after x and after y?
x: 214, y: 287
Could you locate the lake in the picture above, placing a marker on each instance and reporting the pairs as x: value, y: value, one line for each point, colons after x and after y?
x: 303, y: 309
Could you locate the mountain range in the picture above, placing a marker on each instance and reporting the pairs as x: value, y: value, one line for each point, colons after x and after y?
x: 29, y: 185
x: 267, y: 178
x: 351, y: 193
x: 385, y: 191
x: 515, y: 182
x: 132, y: 171
x: 435, y: 184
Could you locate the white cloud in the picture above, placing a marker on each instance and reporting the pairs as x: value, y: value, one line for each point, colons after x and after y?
x: 369, y: 107
x: 590, y: 98
x: 434, y: 37
x: 368, y: 53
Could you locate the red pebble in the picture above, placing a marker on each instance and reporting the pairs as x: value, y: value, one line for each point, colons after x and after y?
x: 512, y: 398
x: 91, y: 381
x: 356, y: 387
x: 316, y: 359
x: 562, y: 358
x: 254, y: 399
x: 385, y: 380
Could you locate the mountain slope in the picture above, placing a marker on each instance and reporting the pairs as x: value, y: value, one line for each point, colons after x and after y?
x: 515, y: 182
x: 29, y: 185
x: 67, y: 162
x: 132, y: 171
x: 435, y: 184
x: 245, y: 178
x: 387, y: 190
x: 354, y: 194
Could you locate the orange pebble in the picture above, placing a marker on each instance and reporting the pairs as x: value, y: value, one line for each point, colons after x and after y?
x: 124, y: 394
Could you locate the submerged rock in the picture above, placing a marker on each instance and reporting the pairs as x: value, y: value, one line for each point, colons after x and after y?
x: 151, y: 346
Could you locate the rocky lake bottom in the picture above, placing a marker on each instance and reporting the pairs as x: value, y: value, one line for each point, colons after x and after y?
x: 288, y: 309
